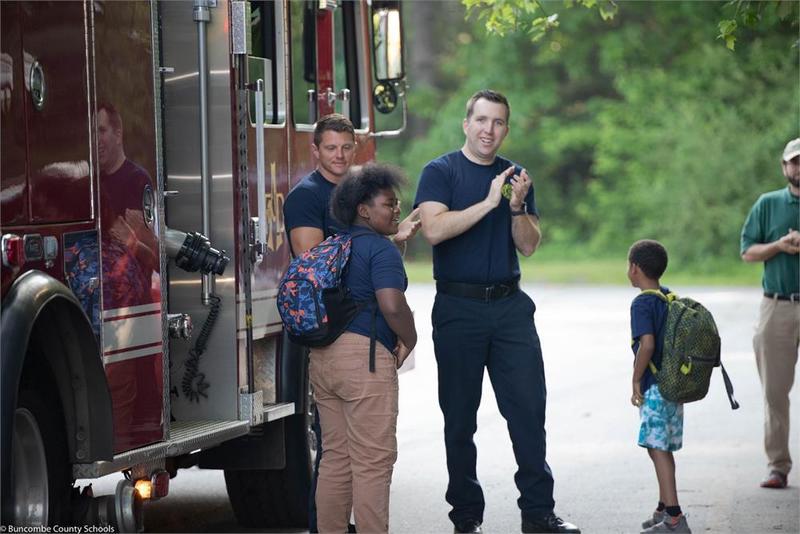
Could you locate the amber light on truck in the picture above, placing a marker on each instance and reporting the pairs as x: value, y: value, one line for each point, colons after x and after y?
x: 155, y: 488
x: 144, y: 488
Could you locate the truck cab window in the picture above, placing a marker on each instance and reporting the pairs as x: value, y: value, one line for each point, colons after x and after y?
x: 348, y: 62
x: 267, y: 59
x: 303, y: 48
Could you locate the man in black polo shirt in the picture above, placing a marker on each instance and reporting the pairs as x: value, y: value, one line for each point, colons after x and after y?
x: 478, y: 209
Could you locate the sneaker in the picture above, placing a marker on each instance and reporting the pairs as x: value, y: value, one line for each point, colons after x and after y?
x: 658, y: 517
x: 670, y: 524
x: 775, y: 480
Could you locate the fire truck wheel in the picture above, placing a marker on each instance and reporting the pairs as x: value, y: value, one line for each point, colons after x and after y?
x: 276, y: 498
x: 42, y: 477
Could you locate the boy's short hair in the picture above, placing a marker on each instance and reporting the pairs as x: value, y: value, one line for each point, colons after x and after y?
x: 335, y: 123
x: 650, y: 256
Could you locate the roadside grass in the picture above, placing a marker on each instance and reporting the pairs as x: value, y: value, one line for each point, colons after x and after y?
x: 612, y: 271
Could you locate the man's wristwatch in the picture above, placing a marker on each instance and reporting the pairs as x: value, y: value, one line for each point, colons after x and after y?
x: 520, y: 211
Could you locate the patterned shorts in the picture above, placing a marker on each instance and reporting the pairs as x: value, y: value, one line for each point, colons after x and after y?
x: 662, y: 422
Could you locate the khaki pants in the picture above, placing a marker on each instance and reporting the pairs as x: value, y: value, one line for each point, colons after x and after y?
x: 358, y: 416
x: 776, y: 342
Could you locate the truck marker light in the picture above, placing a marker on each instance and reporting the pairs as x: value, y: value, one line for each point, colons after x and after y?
x: 33, y: 246
x: 50, y: 247
x: 155, y: 488
x: 160, y: 483
x: 144, y: 488
x: 12, y: 251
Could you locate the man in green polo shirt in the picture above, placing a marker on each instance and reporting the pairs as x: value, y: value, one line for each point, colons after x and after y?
x: 770, y: 234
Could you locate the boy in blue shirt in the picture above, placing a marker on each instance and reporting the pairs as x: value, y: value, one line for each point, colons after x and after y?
x: 661, y: 430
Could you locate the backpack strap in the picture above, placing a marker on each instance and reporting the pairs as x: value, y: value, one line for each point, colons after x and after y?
x: 669, y: 297
x: 374, y: 304
x: 729, y: 388
x: 373, y: 330
x: 372, y: 336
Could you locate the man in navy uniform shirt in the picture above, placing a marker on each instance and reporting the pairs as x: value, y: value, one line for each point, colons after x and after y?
x: 306, y: 215
x: 306, y: 212
x: 481, y: 319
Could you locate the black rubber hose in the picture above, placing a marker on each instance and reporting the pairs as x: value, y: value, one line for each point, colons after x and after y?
x: 194, y: 383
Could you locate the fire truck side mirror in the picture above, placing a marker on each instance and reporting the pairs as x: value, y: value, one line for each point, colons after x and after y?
x: 387, y: 40
x: 384, y: 97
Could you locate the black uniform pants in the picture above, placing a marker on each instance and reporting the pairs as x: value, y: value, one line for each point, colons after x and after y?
x: 499, y: 335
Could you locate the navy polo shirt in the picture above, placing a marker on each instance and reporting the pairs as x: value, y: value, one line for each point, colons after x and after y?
x: 484, y: 254
x: 648, y: 316
x: 375, y: 263
x: 307, y: 205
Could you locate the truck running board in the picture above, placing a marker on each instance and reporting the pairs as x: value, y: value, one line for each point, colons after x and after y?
x: 185, y: 437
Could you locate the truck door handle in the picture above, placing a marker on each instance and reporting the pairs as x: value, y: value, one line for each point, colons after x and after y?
x: 261, y: 189
x: 344, y: 97
x: 37, y: 86
x: 311, y: 95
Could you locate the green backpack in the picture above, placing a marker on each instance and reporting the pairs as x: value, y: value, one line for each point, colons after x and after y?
x: 691, y: 350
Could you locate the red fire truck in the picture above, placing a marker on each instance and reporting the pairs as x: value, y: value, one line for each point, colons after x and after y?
x: 147, y: 149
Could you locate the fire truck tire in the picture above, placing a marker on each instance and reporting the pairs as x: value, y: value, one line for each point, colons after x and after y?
x: 264, y: 498
x: 42, y: 475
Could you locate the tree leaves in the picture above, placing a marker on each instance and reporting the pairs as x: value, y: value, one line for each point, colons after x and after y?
x: 504, y: 17
x: 756, y: 13
x: 727, y: 30
x: 641, y: 127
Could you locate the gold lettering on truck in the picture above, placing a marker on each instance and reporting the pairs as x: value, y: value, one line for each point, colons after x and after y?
x: 275, y: 226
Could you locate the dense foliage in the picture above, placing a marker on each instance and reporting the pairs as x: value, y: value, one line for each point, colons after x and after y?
x: 641, y: 126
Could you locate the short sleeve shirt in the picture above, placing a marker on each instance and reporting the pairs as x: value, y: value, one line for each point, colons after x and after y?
x: 307, y: 205
x: 128, y: 277
x: 375, y: 263
x: 770, y: 218
x: 484, y: 254
x: 648, y: 316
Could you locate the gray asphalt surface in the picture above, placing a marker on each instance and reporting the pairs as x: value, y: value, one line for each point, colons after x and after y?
x: 604, y: 482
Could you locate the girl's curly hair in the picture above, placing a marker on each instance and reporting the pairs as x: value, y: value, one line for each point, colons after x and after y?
x: 361, y: 185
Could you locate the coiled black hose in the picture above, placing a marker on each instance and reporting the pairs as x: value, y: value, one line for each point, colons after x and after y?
x: 194, y: 383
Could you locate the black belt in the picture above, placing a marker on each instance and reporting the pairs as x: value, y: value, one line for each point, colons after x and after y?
x: 793, y: 297
x: 477, y: 291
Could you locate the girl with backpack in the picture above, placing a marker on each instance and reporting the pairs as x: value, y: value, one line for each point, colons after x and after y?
x: 358, y: 405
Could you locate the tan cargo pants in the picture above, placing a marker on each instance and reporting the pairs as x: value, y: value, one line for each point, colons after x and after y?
x: 776, y: 343
x: 358, y: 416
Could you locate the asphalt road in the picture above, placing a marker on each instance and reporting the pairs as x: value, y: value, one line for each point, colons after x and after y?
x: 604, y: 481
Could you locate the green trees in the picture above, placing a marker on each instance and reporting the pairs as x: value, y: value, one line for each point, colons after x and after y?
x: 641, y: 126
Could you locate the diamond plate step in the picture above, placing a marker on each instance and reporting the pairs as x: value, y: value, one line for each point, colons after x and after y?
x: 186, y: 436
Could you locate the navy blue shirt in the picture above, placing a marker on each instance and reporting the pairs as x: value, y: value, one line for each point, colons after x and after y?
x: 375, y: 263
x: 484, y: 254
x: 307, y: 205
x: 648, y: 315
